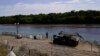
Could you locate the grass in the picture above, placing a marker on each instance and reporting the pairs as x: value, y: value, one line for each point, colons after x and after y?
x: 3, y: 51
x: 23, y: 50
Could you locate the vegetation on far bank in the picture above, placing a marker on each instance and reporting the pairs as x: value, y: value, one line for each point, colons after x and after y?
x: 73, y: 17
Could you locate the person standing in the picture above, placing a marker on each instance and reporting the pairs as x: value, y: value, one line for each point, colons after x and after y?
x: 46, y: 34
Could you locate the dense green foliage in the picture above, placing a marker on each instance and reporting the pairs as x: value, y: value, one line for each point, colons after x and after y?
x: 73, y: 17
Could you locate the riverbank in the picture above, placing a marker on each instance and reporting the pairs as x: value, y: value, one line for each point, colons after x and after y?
x: 46, y: 46
x: 66, y: 25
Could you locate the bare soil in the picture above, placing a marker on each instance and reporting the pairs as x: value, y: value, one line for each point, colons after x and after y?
x: 46, y: 46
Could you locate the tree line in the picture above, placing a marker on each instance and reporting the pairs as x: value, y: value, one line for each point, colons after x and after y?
x: 72, y: 17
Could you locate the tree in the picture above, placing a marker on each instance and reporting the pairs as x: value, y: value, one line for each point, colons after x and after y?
x: 73, y: 17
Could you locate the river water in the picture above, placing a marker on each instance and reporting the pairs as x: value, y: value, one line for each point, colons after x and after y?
x: 89, y: 32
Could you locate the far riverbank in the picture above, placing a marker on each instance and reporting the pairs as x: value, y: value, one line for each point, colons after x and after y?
x: 66, y: 25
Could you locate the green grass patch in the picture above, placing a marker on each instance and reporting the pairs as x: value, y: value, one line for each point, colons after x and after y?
x: 3, y: 51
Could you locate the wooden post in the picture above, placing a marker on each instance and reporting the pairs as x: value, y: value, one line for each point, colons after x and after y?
x: 29, y: 52
x: 51, y: 50
x: 91, y: 49
x: 99, y: 49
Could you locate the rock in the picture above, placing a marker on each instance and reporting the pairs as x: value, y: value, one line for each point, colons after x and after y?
x: 11, y: 54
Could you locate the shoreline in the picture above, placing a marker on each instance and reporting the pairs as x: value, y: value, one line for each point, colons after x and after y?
x: 55, y: 25
x: 83, y: 49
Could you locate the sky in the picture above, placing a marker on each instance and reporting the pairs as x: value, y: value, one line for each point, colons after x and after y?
x: 26, y: 7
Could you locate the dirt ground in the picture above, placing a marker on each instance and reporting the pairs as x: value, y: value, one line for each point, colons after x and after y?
x: 46, y: 46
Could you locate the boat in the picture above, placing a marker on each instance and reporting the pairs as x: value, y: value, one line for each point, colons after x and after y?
x: 66, y: 38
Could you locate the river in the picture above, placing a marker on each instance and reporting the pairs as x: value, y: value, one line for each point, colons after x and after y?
x: 89, y: 32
